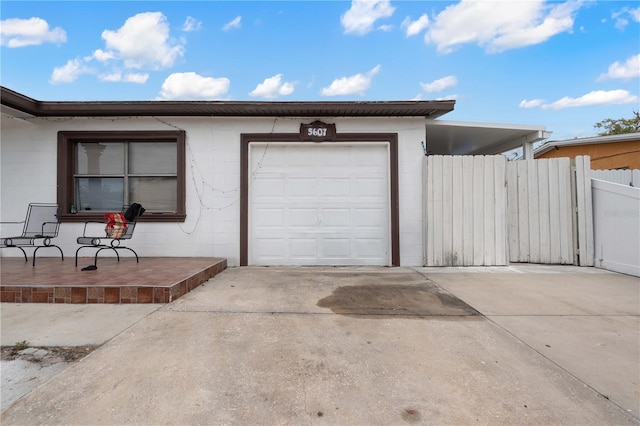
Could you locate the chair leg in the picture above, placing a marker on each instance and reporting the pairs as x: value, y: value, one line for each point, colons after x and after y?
x: 78, y: 251
x: 95, y: 261
x: 34, y: 253
x: 132, y: 251
x: 24, y: 253
x: 79, y: 248
x: 115, y: 249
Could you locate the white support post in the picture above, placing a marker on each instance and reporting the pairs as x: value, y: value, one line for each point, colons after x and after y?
x: 527, y: 151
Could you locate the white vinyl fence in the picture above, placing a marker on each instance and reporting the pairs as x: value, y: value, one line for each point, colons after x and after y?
x: 483, y: 210
x: 623, y: 177
x: 616, y: 223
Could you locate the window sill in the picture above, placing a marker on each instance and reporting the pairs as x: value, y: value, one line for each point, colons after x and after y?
x: 99, y: 217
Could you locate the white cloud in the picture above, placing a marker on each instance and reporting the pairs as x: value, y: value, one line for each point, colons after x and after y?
x: 622, y: 17
x: 273, y: 87
x: 415, y: 27
x: 356, y: 84
x: 143, y: 42
x: 500, y: 25
x: 69, y: 72
x: 189, y: 86
x: 191, y: 24
x: 111, y: 77
x: 103, y: 56
x: 136, y: 77
x: 440, y: 84
x: 598, y: 97
x: 530, y: 104
x: 29, y: 32
x: 117, y: 76
x: 363, y: 14
x: 621, y: 23
x: 233, y: 24
x: 451, y: 97
x: 628, y: 70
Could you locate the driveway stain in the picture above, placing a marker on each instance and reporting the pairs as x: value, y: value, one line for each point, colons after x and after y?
x: 421, y: 301
x: 411, y: 415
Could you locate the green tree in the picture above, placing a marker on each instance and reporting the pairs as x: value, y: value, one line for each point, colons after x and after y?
x: 610, y: 126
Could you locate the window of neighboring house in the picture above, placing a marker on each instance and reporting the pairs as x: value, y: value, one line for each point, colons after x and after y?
x: 101, y: 172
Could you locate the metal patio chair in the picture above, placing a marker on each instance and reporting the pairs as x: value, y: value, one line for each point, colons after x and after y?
x: 106, y: 242
x: 40, y: 227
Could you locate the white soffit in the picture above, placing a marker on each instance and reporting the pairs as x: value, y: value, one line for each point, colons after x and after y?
x: 470, y: 138
x: 14, y: 113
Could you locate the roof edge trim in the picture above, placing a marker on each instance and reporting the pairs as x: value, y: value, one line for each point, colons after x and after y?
x: 549, y: 145
x: 428, y: 109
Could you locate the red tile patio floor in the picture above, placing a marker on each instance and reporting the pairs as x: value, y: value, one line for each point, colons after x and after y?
x: 153, y: 280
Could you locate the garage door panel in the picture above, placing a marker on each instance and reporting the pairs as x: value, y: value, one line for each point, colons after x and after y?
x: 335, y: 218
x: 303, y: 217
x: 270, y: 249
x: 304, y: 248
x: 336, y: 248
x: 370, y: 218
x: 370, y: 158
x: 370, y: 188
x: 369, y: 247
x: 266, y: 188
x: 269, y: 217
x: 261, y: 159
x: 335, y: 187
x: 296, y: 155
x: 302, y: 187
x: 336, y: 157
x: 325, y: 204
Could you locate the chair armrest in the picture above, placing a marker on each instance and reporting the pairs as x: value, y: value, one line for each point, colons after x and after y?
x: 84, y: 231
x: 50, y: 234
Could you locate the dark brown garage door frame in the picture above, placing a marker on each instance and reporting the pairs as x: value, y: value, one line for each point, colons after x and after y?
x: 247, y: 138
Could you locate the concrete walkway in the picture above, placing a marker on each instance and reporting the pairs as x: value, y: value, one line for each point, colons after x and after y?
x: 356, y: 346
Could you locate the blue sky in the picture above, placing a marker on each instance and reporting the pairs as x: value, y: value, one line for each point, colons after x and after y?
x: 561, y: 64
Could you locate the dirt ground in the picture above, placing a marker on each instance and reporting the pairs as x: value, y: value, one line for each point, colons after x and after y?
x: 45, y: 356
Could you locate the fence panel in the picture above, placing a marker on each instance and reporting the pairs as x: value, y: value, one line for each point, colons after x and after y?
x: 465, y: 210
x: 539, y: 211
x: 616, y: 226
x: 483, y: 210
x: 623, y: 177
x: 584, y: 209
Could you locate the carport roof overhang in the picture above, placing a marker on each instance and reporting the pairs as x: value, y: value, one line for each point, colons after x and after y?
x: 469, y: 138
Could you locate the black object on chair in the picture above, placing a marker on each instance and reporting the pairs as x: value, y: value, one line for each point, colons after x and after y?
x: 113, y: 242
x: 40, y: 226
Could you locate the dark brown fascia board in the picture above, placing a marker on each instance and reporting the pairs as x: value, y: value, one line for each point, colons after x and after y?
x: 429, y: 109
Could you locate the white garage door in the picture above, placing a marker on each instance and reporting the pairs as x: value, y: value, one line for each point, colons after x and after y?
x: 319, y: 204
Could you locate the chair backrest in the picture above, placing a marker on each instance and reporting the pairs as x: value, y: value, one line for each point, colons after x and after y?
x: 43, y: 220
x: 132, y: 213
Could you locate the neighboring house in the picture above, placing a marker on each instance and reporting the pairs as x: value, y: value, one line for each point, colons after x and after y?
x: 258, y: 183
x: 606, y: 152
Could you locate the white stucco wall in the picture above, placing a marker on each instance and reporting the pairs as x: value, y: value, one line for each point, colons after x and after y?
x: 212, y: 228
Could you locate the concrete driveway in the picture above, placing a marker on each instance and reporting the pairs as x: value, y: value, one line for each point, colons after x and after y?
x: 356, y: 346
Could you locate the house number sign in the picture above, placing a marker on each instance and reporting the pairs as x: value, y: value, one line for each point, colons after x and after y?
x: 317, y: 131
